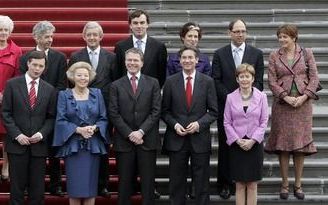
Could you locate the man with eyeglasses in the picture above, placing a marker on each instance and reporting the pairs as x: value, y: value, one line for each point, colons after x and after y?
x: 225, y: 61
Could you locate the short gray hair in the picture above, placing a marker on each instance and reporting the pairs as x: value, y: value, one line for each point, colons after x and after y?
x: 80, y: 64
x: 7, y: 22
x: 42, y: 27
x: 91, y: 25
x: 135, y: 51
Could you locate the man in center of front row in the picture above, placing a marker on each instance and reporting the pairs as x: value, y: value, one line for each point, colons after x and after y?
x: 135, y: 109
x: 189, y: 107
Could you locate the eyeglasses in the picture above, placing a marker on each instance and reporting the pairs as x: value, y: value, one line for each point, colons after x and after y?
x: 239, y: 32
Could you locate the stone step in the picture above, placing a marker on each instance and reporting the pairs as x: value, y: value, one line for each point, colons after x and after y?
x: 265, y: 199
x: 256, y: 40
x: 312, y: 167
x: 311, y: 186
x: 254, y: 15
x: 320, y: 53
x: 220, y: 28
x: 226, y: 4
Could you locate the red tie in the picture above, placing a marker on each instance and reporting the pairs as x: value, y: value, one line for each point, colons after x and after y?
x: 134, y: 84
x: 32, y: 94
x: 189, y: 92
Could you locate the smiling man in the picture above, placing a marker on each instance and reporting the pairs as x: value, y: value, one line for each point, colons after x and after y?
x: 155, y: 54
x: 104, y: 63
x: 135, y: 109
x: 189, y: 107
x: 28, y: 112
x: 225, y: 61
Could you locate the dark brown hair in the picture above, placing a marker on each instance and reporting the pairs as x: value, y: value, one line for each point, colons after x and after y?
x: 192, y: 48
x: 137, y: 13
x: 188, y: 27
x: 288, y: 29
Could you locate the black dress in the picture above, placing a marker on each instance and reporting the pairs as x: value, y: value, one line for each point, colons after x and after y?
x: 246, y: 166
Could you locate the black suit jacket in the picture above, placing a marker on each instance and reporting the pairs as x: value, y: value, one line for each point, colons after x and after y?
x: 155, y: 58
x: 223, y: 70
x: 55, y: 72
x: 105, y: 70
x: 203, y: 110
x: 130, y: 112
x: 19, y: 118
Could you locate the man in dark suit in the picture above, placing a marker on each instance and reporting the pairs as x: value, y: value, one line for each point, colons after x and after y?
x: 225, y: 61
x: 134, y: 109
x: 155, y: 54
x: 28, y: 110
x: 55, y: 74
x: 104, y: 63
x: 189, y: 107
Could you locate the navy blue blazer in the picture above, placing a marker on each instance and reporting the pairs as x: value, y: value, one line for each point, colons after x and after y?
x: 70, y: 116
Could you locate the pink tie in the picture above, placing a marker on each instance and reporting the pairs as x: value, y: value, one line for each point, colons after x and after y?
x: 189, y: 92
x: 32, y: 94
x: 134, y: 84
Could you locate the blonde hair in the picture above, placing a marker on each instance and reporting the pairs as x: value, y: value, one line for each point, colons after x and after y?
x: 70, y: 72
x: 245, y: 67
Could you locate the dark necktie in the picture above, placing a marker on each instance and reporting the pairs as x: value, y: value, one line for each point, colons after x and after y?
x: 134, y: 83
x: 189, y: 92
x: 32, y: 94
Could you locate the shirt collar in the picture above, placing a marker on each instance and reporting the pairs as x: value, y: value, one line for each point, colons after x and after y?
x: 97, y: 50
x: 46, y: 51
x: 29, y: 79
x: 192, y: 75
x: 242, y: 47
x: 137, y: 75
x: 144, y: 39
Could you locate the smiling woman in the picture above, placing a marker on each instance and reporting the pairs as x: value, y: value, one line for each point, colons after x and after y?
x: 81, y: 133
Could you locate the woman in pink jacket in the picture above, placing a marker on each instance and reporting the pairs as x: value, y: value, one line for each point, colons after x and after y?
x: 245, y: 120
x: 9, y: 62
x: 293, y: 79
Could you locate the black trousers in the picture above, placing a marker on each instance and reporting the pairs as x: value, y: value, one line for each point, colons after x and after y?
x: 103, y: 179
x: 26, y: 172
x: 200, y: 165
x: 54, y: 169
x: 223, y: 174
x: 146, y: 160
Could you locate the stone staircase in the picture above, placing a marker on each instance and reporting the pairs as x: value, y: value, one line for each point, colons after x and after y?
x: 262, y: 18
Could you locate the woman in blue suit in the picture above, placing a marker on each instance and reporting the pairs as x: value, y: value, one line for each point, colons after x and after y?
x: 245, y: 120
x: 81, y: 133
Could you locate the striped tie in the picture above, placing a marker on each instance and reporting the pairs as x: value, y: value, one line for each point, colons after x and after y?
x: 32, y: 94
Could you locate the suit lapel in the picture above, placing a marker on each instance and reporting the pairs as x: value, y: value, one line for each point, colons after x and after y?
x: 24, y: 92
x: 284, y: 60
x: 229, y: 57
x: 198, y: 84
x: 101, y: 61
x: 41, y: 93
x: 180, y: 87
x: 141, y: 84
x: 127, y: 86
x: 148, y: 53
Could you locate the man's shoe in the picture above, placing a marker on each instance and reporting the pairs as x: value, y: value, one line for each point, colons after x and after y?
x: 157, y: 195
x: 191, y: 192
x: 104, y: 192
x: 225, y: 193
x: 57, y: 191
